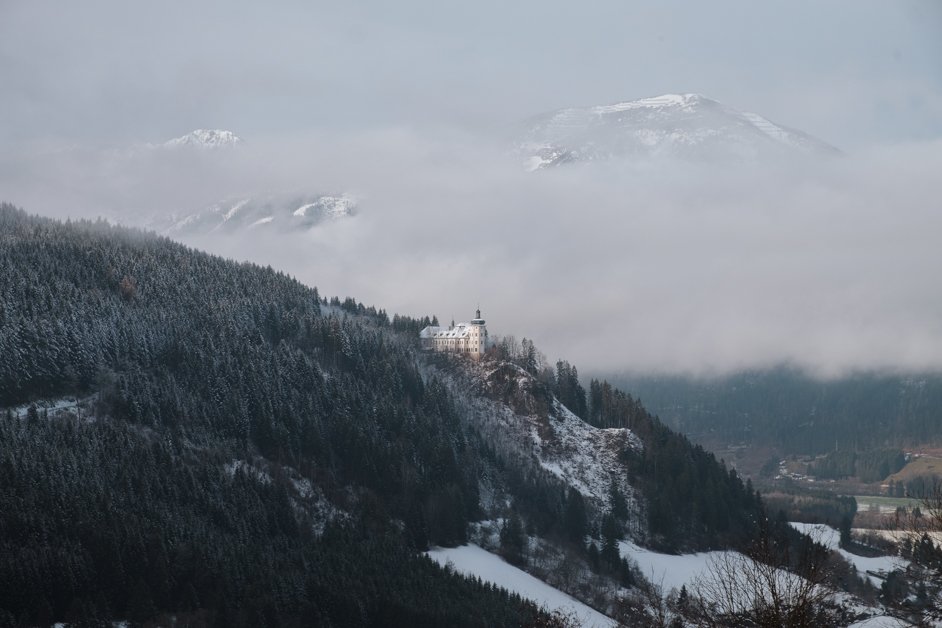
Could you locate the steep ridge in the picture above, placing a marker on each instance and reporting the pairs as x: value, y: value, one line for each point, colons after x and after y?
x: 525, y: 422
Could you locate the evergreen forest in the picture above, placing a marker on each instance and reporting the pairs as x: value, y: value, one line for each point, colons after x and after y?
x: 239, y: 451
x: 797, y: 412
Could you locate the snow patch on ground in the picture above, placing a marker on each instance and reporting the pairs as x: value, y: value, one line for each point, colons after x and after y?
x: 235, y: 209
x: 302, y: 211
x: 305, y: 498
x: 262, y: 221
x: 673, y: 571
x: 311, y: 498
x: 52, y: 408
x: 670, y: 571
x: 472, y: 560
x: 247, y: 468
x: 882, y: 621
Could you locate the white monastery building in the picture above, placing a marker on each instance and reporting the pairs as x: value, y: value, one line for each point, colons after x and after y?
x: 468, y: 338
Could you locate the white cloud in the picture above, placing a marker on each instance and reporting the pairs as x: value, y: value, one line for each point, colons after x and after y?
x: 828, y: 265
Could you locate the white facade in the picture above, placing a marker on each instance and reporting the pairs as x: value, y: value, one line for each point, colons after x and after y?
x: 466, y: 338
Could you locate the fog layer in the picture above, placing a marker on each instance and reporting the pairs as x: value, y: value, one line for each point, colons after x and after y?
x: 829, y: 265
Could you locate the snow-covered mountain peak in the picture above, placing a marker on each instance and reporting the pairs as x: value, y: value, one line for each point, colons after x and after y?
x: 206, y: 138
x: 689, y: 126
x: 655, y: 102
x: 330, y: 207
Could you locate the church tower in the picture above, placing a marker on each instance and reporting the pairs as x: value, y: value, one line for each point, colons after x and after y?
x: 478, y: 335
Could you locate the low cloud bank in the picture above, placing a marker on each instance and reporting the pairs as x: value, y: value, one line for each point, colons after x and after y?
x: 828, y: 265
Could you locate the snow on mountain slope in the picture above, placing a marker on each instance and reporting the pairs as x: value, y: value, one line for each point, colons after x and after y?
x: 280, y: 214
x: 579, y: 453
x: 327, y: 207
x: 583, y: 456
x: 205, y: 138
x: 689, y: 126
x: 472, y: 560
x: 518, y: 414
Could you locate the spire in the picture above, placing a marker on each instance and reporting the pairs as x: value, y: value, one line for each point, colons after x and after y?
x: 477, y: 313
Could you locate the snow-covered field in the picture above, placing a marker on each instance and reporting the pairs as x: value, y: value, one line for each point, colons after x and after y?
x: 672, y: 572
x: 881, y: 622
x: 472, y: 560
x: 669, y: 571
x: 830, y: 538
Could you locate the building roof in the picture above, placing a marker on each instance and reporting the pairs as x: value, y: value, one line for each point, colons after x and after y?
x: 430, y: 331
x: 460, y: 330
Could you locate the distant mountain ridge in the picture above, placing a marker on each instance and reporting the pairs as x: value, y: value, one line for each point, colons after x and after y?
x: 689, y: 126
x: 295, y: 213
x: 239, y: 213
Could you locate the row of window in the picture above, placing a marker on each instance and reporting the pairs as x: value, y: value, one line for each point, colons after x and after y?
x: 441, y: 343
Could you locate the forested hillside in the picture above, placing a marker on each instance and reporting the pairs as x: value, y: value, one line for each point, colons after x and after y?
x: 232, y: 419
x: 237, y: 450
x: 690, y: 501
x: 797, y: 412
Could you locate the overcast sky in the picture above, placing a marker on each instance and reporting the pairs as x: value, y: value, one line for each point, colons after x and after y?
x: 829, y: 265
x: 853, y: 72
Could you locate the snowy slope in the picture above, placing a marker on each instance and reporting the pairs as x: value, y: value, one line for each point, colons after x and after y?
x: 531, y: 427
x: 582, y: 455
x: 881, y: 622
x: 674, y: 571
x: 525, y: 423
x: 670, y: 571
x: 830, y: 538
x: 673, y: 125
x: 472, y: 560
